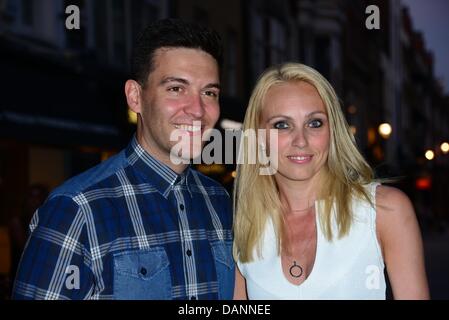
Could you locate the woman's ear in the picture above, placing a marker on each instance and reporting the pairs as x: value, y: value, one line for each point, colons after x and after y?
x: 133, y: 92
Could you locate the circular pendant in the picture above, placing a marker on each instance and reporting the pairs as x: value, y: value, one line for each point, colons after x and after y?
x: 295, y: 270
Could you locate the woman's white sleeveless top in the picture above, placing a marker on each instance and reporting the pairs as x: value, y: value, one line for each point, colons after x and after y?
x: 348, y: 268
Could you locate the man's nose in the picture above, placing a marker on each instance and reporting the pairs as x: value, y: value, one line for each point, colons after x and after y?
x: 195, y: 106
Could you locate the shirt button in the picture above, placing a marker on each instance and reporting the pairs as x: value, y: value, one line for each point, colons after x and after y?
x: 189, y: 252
x: 143, y: 271
x: 192, y: 298
x: 181, y: 206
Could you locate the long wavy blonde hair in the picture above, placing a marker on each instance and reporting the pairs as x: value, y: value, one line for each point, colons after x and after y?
x: 256, y: 197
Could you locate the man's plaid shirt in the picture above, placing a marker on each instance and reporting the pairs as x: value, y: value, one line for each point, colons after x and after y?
x: 130, y: 228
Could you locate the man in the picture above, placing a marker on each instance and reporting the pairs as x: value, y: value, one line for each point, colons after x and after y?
x: 141, y: 225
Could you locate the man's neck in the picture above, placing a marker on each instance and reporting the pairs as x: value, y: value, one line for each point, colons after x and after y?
x: 160, y: 156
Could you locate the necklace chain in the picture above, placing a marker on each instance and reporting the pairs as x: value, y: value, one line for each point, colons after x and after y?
x: 296, y: 270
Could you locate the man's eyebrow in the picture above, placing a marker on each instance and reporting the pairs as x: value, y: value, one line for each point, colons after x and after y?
x: 186, y: 82
x: 174, y: 79
x: 213, y: 85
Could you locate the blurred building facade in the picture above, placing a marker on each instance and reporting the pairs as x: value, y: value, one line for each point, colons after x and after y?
x: 425, y: 110
x: 62, y: 107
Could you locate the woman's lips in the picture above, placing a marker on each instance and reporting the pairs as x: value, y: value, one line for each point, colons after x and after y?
x: 300, y: 159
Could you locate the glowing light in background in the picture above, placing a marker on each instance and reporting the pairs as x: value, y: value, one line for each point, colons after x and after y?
x: 353, y: 129
x: 429, y: 155
x: 132, y: 117
x: 423, y: 183
x: 352, y: 109
x: 385, y: 130
x: 444, y: 147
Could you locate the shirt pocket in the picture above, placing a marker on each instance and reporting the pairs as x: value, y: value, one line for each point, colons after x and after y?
x: 143, y: 274
x: 224, y: 266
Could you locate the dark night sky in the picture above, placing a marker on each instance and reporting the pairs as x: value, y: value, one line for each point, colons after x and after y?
x: 432, y: 18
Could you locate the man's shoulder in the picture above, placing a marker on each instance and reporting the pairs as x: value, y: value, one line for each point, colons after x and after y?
x: 86, y: 179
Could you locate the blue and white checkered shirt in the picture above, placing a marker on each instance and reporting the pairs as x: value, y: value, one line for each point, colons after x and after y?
x: 130, y: 228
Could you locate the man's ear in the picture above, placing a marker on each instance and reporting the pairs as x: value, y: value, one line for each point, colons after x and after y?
x: 133, y: 93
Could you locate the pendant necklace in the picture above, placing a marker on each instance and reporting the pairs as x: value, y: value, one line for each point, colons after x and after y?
x: 296, y: 270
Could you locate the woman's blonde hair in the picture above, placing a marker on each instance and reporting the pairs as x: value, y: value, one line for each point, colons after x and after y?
x: 256, y: 197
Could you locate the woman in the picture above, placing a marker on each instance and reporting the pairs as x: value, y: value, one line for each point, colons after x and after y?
x: 321, y: 227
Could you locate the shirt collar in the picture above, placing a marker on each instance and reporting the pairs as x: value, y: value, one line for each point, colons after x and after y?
x: 158, y: 174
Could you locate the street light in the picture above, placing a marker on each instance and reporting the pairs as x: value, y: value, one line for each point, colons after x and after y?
x: 429, y: 155
x: 444, y: 147
x: 385, y: 130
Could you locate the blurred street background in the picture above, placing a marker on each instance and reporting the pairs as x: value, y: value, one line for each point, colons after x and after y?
x: 436, y: 246
x: 63, y: 109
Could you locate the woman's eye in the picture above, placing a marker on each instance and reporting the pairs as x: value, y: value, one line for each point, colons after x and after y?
x: 280, y: 125
x: 315, y: 123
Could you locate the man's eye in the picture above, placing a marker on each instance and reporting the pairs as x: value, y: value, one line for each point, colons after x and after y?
x: 211, y: 94
x: 315, y: 123
x: 175, y: 89
x: 280, y: 125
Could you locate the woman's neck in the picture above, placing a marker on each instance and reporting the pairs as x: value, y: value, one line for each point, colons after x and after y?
x: 298, y: 197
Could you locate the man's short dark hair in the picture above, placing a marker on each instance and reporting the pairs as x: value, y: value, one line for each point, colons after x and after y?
x: 172, y: 33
